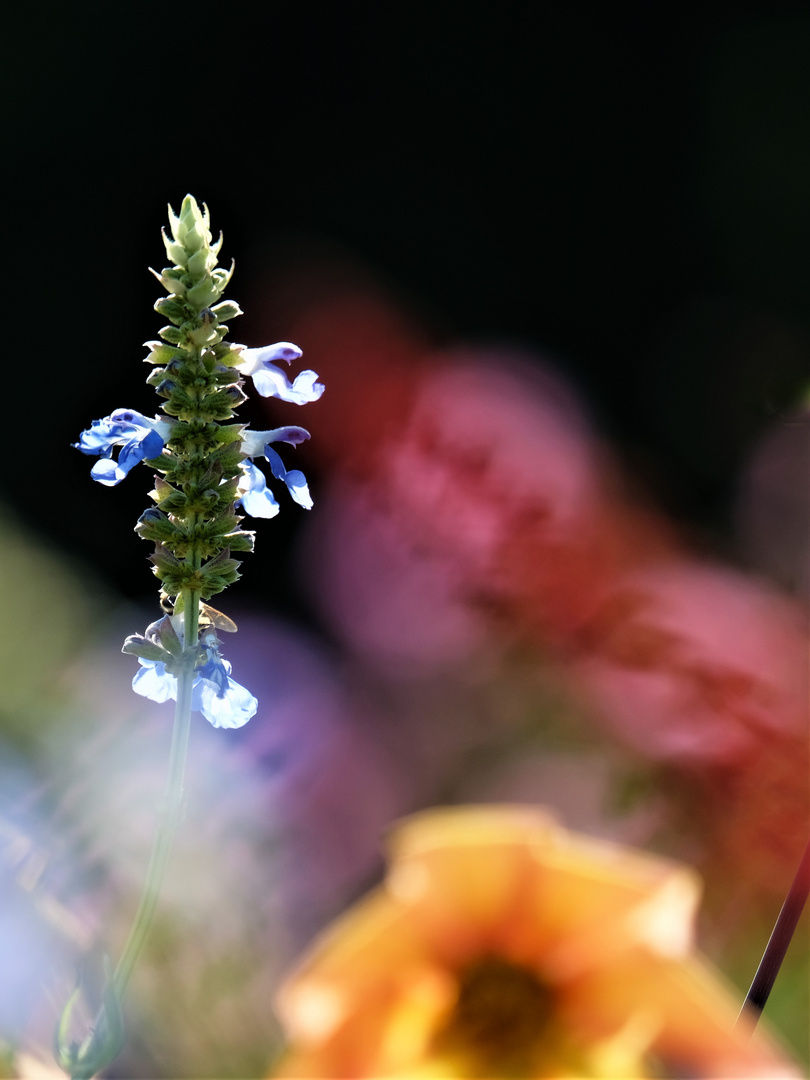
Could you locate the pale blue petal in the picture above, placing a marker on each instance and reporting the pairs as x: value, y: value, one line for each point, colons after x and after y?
x: 252, y: 359
x: 297, y: 487
x: 294, y: 479
x: 255, y: 497
x: 254, y: 442
x: 221, y: 700
x: 232, y: 709
x: 260, y: 504
x: 106, y: 472
x: 270, y: 381
x: 153, y: 681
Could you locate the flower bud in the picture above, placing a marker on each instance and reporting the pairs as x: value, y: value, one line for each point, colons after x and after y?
x: 178, y: 230
x: 197, y: 235
x: 226, y: 310
x: 222, y: 277
x: 175, y: 251
x: 160, y: 353
x: 154, y: 525
x: 174, y: 280
x: 172, y: 335
x: 200, y: 263
x: 205, y: 292
x: 172, y: 309
x: 203, y: 335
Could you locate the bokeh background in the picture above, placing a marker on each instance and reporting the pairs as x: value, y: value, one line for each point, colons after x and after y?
x: 551, y: 262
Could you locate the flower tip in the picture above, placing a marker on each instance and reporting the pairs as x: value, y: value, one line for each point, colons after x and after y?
x: 269, y: 354
x: 285, y: 350
x: 189, y: 206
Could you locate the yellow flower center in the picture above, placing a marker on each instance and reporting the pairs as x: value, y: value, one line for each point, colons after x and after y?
x: 499, y: 1019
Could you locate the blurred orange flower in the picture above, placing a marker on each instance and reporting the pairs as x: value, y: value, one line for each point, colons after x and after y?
x: 501, y: 945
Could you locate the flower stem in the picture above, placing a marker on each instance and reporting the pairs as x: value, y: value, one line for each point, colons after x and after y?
x: 172, y: 804
x: 778, y: 942
x: 83, y: 1060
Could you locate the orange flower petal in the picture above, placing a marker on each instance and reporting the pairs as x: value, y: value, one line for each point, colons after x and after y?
x: 589, y: 944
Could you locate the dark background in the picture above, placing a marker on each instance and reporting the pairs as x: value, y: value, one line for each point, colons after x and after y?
x: 625, y: 185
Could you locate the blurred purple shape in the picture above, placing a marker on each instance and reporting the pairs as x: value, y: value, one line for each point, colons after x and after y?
x: 329, y: 790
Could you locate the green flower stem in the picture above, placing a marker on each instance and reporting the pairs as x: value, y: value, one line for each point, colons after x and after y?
x: 172, y: 806
x: 104, y: 1042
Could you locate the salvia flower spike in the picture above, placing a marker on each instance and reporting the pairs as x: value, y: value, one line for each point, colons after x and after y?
x: 203, y: 459
x: 205, y: 479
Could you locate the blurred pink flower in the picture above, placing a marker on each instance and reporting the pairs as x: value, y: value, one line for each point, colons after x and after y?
x: 494, y: 452
x: 478, y: 485
x: 689, y: 662
x: 705, y: 671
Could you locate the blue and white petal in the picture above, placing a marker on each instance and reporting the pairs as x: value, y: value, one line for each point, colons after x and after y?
x: 138, y: 437
x: 153, y: 681
x: 254, y: 496
x: 222, y: 701
x: 215, y: 671
x: 254, y: 442
x: 293, y: 478
x: 254, y: 485
x: 270, y: 380
x: 105, y: 471
x: 230, y: 708
x: 252, y: 360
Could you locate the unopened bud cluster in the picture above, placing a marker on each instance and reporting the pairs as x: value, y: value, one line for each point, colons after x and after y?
x: 194, y: 526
